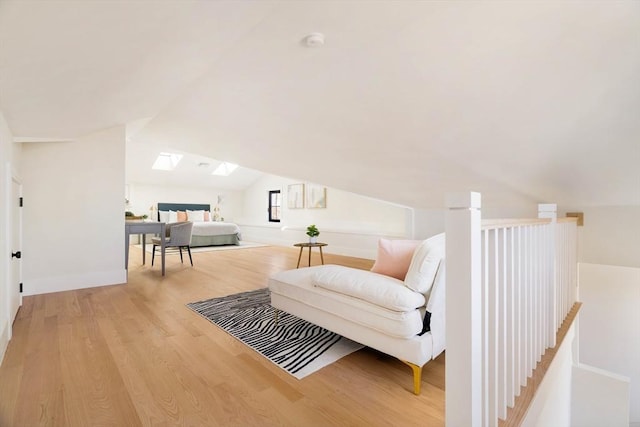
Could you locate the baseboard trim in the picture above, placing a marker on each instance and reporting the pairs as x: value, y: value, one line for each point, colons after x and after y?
x: 602, y: 372
x: 76, y: 281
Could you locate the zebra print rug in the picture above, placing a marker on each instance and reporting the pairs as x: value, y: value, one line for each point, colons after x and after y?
x: 295, y: 345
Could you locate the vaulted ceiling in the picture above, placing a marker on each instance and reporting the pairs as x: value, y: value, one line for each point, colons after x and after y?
x: 405, y: 101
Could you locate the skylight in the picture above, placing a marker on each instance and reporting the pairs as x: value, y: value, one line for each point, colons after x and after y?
x: 224, y: 169
x: 166, y: 161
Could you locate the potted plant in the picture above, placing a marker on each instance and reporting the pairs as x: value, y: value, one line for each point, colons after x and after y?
x: 313, y: 233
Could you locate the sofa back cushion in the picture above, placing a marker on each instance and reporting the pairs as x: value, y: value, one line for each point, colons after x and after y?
x: 394, y: 257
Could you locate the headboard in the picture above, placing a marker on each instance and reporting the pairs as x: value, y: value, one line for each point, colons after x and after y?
x: 182, y: 207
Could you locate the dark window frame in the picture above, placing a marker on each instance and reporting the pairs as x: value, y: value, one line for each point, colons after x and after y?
x: 272, y: 207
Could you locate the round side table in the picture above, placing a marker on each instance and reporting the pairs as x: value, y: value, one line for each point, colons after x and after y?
x: 309, y: 245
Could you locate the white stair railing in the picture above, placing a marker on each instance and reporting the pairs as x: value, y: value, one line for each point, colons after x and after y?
x: 510, y: 284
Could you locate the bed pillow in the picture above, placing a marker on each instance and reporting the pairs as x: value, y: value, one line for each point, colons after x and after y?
x: 424, y: 264
x: 182, y: 216
x: 164, y: 216
x: 207, y: 216
x: 173, y: 216
x: 394, y: 257
x: 195, y: 216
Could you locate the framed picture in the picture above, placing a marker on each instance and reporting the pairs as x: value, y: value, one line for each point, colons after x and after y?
x: 316, y: 196
x: 295, y: 196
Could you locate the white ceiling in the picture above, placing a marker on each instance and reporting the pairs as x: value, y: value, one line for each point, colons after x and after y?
x: 405, y: 101
x: 193, y: 170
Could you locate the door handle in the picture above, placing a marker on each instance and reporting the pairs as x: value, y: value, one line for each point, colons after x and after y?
x: 16, y: 254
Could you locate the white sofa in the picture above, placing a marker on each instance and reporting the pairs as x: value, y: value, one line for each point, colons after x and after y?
x: 376, y: 310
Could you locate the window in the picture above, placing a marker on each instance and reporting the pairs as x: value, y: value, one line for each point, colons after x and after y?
x: 166, y: 161
x: 275, y: 202
x: 224, y: 169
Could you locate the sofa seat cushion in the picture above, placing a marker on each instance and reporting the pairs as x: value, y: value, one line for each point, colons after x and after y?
x: 298, y: 285
x: 375, y: 288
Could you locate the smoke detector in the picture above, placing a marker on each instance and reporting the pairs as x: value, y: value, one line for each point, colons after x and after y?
x: 314, y: 40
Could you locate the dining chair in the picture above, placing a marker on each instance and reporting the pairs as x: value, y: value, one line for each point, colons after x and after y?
x: 178, y: 237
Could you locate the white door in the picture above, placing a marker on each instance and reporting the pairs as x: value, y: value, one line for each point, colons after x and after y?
x: 15, y: 297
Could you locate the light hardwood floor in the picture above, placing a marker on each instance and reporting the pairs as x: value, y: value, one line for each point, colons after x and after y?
x: 134, y: 355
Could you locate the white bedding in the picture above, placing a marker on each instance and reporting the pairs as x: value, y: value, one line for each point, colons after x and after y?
x: 205, y: 228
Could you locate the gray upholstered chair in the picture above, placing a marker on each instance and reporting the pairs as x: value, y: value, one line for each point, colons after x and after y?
x: 178, y: 236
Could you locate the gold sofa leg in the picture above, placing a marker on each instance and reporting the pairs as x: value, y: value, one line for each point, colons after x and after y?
x: 417, y: 377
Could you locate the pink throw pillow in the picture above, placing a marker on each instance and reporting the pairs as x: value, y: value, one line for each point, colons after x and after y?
x: 206, y: 216
x: 394, y: 257
x: 182, y: 216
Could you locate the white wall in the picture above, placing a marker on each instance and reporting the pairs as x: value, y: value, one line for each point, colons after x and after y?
x: 10, y: 154
x: 551, y: 405
x: 609, y: 319
x: 344, y: 212
x: 610, y: 235
x: 350, y: 224
x: 73, y: 213
x: 599, y: 398
x: 143, y: 196
x: 427, y: 222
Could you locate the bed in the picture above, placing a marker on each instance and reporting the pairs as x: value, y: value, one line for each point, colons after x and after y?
x: 205, y: 231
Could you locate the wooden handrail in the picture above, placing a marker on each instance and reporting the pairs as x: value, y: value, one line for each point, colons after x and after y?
x: 568, y: 219
x: 489, y: 224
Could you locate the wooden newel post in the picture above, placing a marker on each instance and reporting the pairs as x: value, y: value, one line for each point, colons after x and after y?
x: 464, y: 352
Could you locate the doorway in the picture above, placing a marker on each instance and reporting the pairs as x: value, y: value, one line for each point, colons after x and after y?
x: 15, y: 270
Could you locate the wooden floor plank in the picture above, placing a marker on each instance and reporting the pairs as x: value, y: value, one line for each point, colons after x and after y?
x: 134, y: 354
